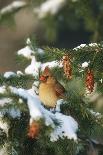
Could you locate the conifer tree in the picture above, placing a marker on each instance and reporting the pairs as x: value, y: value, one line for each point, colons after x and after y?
x: 74, y: 15
x: 73, y: 126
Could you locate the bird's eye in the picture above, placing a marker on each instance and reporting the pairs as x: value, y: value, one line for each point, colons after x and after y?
x: 47, y: 77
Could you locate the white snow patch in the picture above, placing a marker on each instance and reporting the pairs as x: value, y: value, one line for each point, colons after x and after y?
x: 19, y: 73
x: 4, y: 101
x: 2, y: 89
x: 4, y: 150
x: 12, y: 6
x: 9, y: 74
x: 34, y: 67
x: 85, y: 64
x: 59, y: 103
x: 20, y: 101
x: 32, y: 101
x: 36, y: 83
x: 84, y: 45
x: 68, y: 126
x: 97, y: 114
x: 67, y: 129
x: 93, y: 44
x: 51, y: 64
x: 101, y: 80
x: 40, y: 51
x: 28, y: 41
x: 50, y: 6
x: 80, y: 46
x: 26, y: 52
x: 14, y: 113
x: 4, y: 126
x: 34, y: 88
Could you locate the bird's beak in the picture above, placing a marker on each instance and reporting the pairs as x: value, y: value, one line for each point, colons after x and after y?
x: 42, y: 78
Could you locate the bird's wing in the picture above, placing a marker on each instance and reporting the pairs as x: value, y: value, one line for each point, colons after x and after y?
x: 60, y: 90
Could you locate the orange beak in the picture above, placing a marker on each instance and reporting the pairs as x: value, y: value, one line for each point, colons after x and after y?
x: 43, y: 78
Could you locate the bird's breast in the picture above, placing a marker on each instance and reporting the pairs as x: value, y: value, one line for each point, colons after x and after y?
x: 48, y: 95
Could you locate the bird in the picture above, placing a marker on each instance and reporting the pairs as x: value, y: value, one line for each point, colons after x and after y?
x: 50, y: 90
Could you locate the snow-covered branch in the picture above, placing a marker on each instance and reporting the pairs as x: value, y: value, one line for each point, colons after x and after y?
x: 36, y: 66
x: 49, y: 7
x: 12, y: 7
x: 68, y: 126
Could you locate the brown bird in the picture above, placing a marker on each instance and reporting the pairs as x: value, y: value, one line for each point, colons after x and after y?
x: 50, y: 90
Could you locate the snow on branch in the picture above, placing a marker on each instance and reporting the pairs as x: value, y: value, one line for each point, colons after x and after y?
x: 9, y: 74
x: 12, y: 7
x: 68, y: 126
x: 49, y: 7
x: 35, y: 66
x: 2, y: 89
x: 4, y: 149
x: 26, y: 52
x: 84, y: 45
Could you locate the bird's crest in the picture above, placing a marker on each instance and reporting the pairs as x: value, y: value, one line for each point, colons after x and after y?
x: 47, y: 71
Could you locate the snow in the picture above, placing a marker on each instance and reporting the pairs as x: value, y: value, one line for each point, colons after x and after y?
x: 101, y: 80
x: 19, y: 73
x: 97, y: 114
x: 93, y: 44
x: 40, y: 51
x: 34, y: 67
x: 14, y: 5
x: 4, y: 101
x: 26, y: 52
x: 49, y: 7
x: 36, y: 83
x: 4, y: 150
x: 84, y: 45
x: 80, y: 46
x: 4, y: 126
x: 34, y: 88
x: 28, y: 41
x: 85, y: 64
x: 2, y: 89
x: 9, y: 74
x: 32, y: 104
x: 67, y: 129
x: 59, y: 103
x: 51, y: 64
x: 14, y: 113
x: 68, y: 126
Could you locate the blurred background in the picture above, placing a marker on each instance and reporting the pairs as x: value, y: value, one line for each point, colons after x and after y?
x: 57, y: 23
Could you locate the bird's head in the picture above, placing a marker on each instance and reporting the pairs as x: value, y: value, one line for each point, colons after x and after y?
x: 46, y: 74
